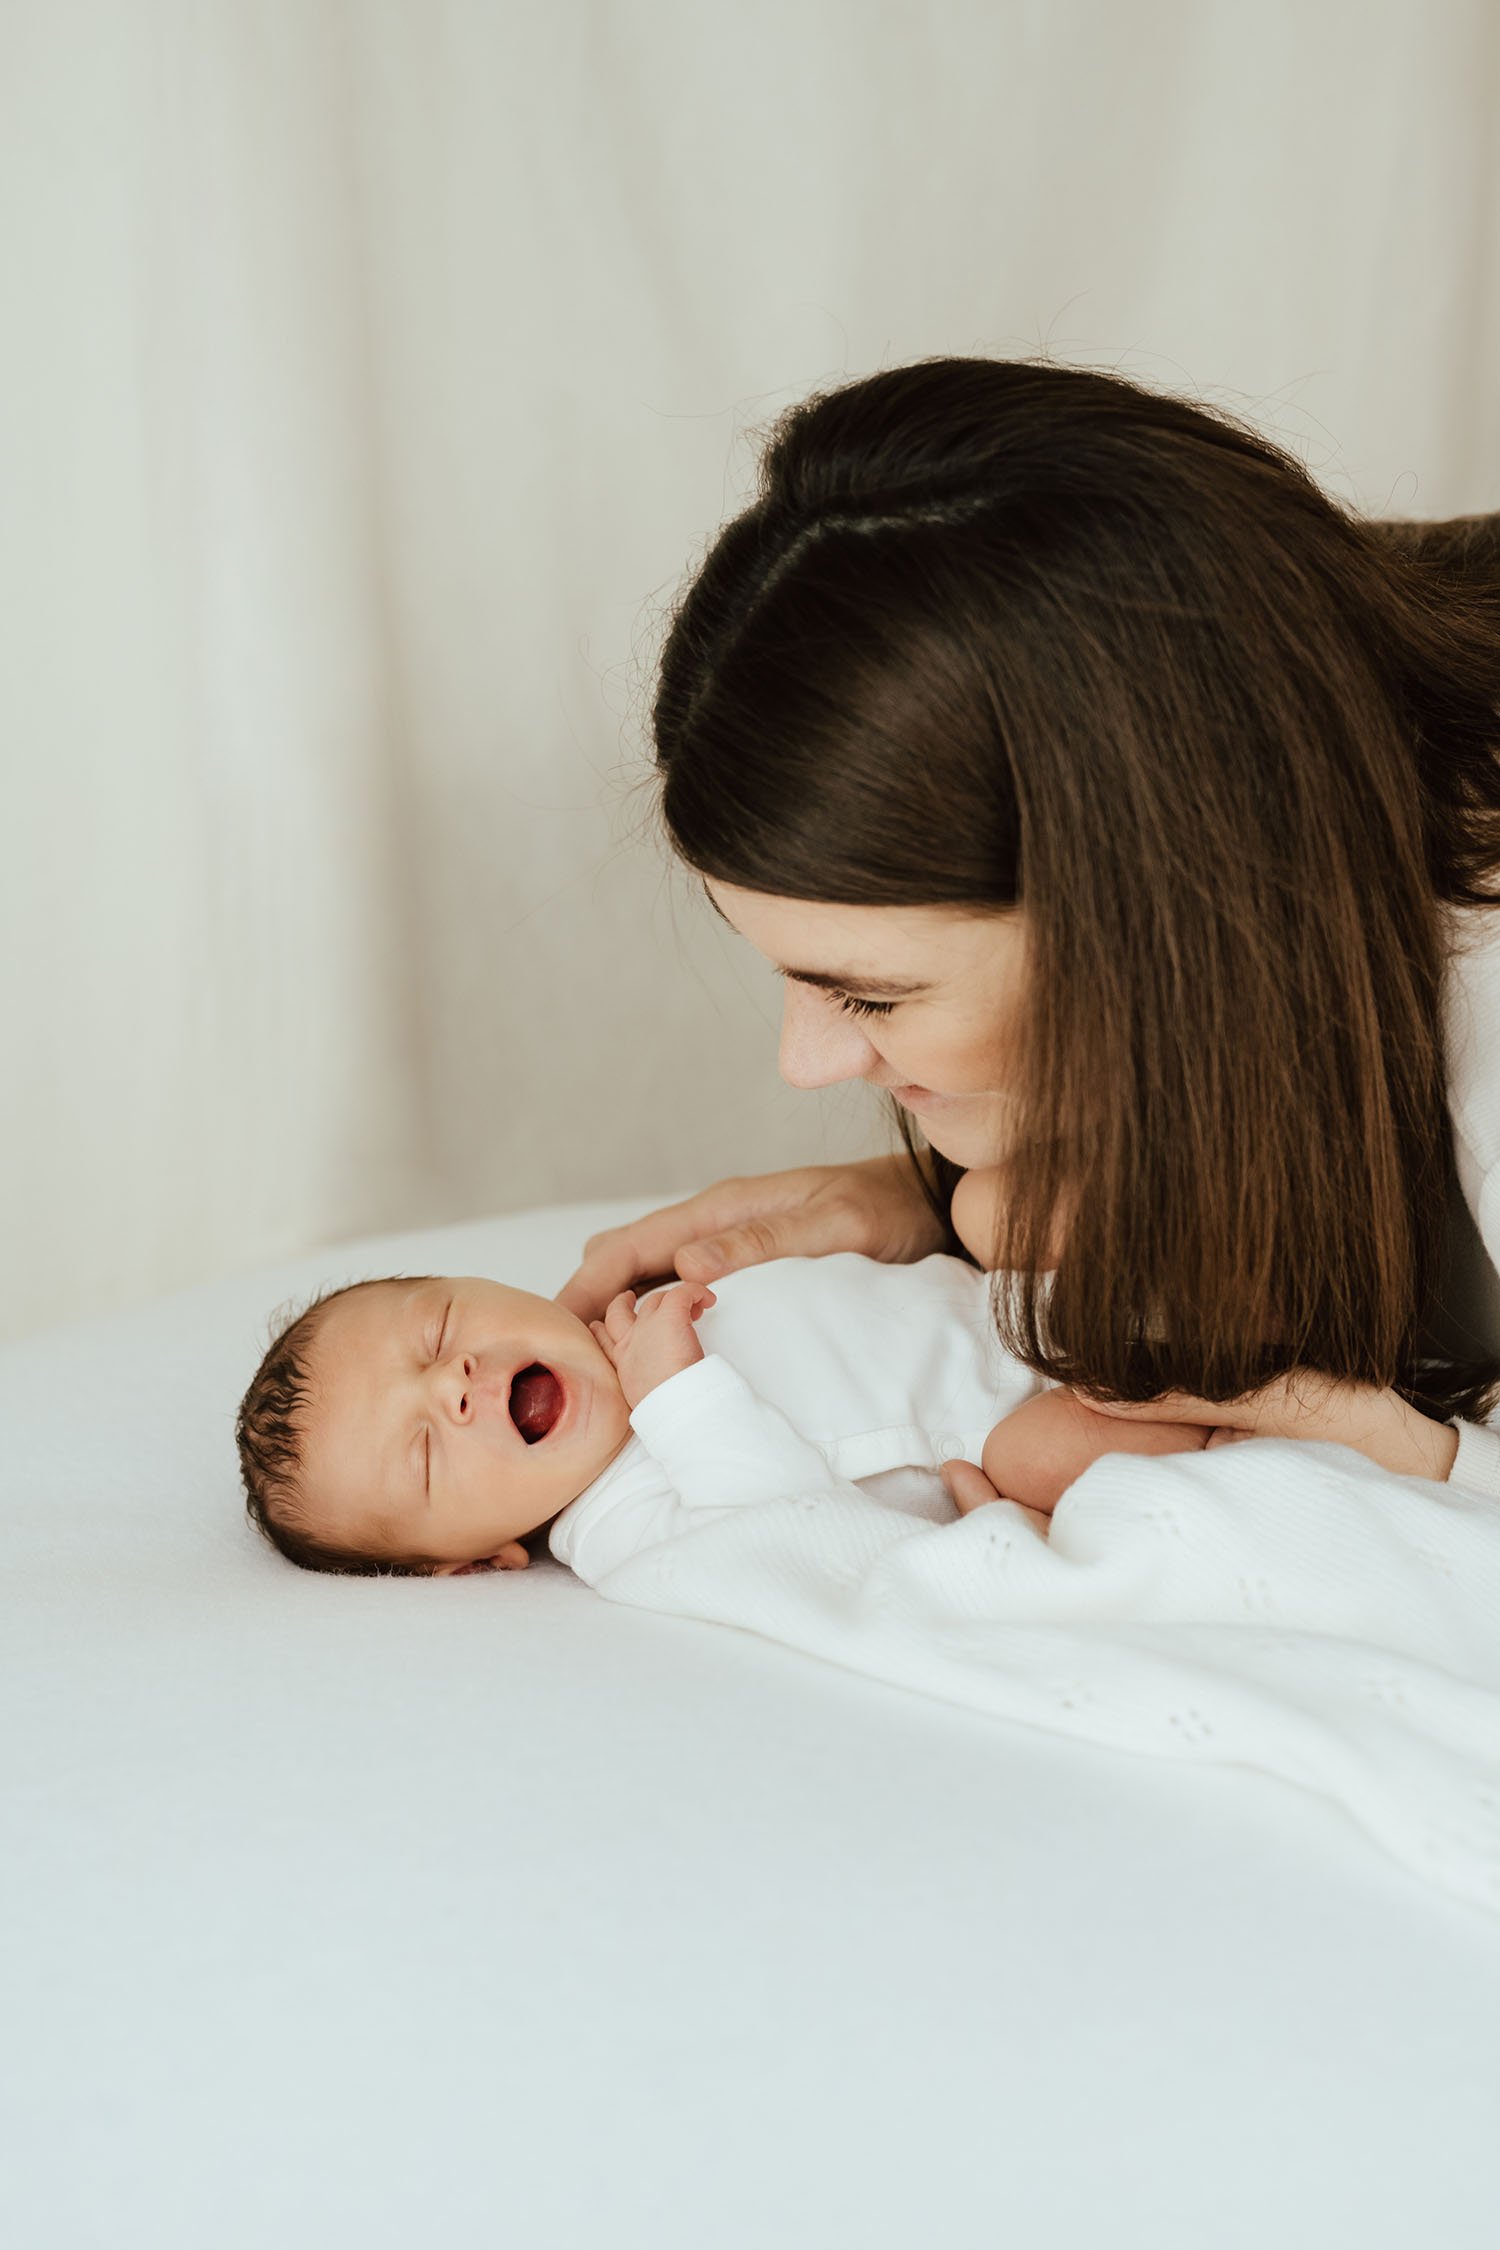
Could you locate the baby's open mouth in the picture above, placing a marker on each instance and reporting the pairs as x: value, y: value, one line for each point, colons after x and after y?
x: 536, y: 1400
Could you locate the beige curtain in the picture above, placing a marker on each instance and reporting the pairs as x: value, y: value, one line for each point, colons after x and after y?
x: 371, y: 373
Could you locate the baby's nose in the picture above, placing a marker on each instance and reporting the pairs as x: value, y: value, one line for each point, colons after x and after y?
x: 457, y: 1381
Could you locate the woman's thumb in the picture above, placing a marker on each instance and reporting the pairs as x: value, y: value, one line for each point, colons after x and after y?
x: 748, y: 1245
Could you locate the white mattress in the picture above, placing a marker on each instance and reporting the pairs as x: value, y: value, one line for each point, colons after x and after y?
x: 484, y: 1910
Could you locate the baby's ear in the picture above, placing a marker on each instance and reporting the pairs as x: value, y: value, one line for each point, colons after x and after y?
x: 512, y: 1556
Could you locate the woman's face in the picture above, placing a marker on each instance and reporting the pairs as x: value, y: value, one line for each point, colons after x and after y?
x: 922, y: 1001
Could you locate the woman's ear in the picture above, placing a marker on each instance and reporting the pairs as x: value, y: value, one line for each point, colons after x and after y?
x: 512, y: 1556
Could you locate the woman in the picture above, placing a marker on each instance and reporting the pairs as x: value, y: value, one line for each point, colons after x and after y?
x: 1131, y: 815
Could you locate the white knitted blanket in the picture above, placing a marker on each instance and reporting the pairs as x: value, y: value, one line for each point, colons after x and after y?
x: 1279, y: 1605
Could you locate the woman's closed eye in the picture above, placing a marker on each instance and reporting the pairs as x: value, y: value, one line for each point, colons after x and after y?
x: 852, y: 1003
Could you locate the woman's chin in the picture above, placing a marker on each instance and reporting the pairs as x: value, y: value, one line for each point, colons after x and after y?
x: 970, y: 1149
x: 973, y: 1134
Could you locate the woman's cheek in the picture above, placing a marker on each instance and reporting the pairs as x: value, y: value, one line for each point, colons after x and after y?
x: 964, y: 1054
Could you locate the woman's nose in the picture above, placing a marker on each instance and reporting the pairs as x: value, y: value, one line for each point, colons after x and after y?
x: 820, y: 1045
x: 455, y: 1382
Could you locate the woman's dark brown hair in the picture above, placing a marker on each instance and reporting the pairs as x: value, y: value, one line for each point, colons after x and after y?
x: 999, y: 635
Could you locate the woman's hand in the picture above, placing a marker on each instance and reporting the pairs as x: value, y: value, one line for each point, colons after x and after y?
x: 1379, y: 1424
x: 876, y: 1207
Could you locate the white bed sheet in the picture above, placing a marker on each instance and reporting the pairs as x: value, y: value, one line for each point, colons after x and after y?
x: 486, y: 1910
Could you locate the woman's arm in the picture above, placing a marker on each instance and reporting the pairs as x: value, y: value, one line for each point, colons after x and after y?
x: 876, y: 1207
x: 1379, y: 1424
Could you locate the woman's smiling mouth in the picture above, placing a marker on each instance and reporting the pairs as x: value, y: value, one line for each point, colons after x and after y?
x: 919, y: 1097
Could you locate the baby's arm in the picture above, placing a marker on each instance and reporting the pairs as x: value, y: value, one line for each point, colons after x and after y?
x: 709, y: 1440
x: 721, y: 1445
x: 1037, y: 1451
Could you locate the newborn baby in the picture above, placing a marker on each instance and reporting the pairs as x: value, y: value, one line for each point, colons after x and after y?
x: 435, y: 1425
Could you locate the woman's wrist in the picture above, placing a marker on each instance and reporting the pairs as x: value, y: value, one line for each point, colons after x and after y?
x: 1414, y: 1445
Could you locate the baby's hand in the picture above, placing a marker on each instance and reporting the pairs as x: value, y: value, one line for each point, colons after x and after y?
x: 650, y: 1342
x: 968, y: 1486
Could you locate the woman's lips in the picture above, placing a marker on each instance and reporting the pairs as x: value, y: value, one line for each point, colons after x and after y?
x: 919, y: 1097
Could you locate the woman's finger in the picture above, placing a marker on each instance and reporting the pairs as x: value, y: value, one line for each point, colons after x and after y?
x: 850, y: 1208
x: 875, y: 1206
x: 607, y: 1268
x: 1302, y: 1404
x: 752, y: 1244
x: 635, y: 1256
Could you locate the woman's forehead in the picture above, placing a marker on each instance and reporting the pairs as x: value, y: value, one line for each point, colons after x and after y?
x: 830, y: 942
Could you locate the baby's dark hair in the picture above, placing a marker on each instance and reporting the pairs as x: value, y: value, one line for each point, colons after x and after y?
x: 269, y: 1431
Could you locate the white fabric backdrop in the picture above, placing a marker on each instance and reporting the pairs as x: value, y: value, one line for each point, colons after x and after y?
x: 371, y: 373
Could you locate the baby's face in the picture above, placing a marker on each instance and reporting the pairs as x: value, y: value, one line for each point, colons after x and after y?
x: 410, y: 1447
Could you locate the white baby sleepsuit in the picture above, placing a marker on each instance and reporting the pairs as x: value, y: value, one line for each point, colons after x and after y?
x: 818, y: 1372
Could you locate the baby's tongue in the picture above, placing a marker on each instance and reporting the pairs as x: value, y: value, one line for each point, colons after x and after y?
x: 535, y: 1402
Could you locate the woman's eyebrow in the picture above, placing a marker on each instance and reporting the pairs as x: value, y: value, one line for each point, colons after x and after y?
x: 851, y: 981
x: 830, y: 980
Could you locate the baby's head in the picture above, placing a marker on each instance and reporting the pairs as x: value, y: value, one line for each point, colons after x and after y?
x: 425, y: 1425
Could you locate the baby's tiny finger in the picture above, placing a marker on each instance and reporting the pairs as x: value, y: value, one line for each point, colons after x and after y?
x: 619, y: 1314
x: 968, y: 1486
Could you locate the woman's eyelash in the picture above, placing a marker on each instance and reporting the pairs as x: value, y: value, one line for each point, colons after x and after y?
x: 853, y: 1006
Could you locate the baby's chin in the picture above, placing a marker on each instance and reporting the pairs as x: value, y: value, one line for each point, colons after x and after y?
x: 606, y: 1425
